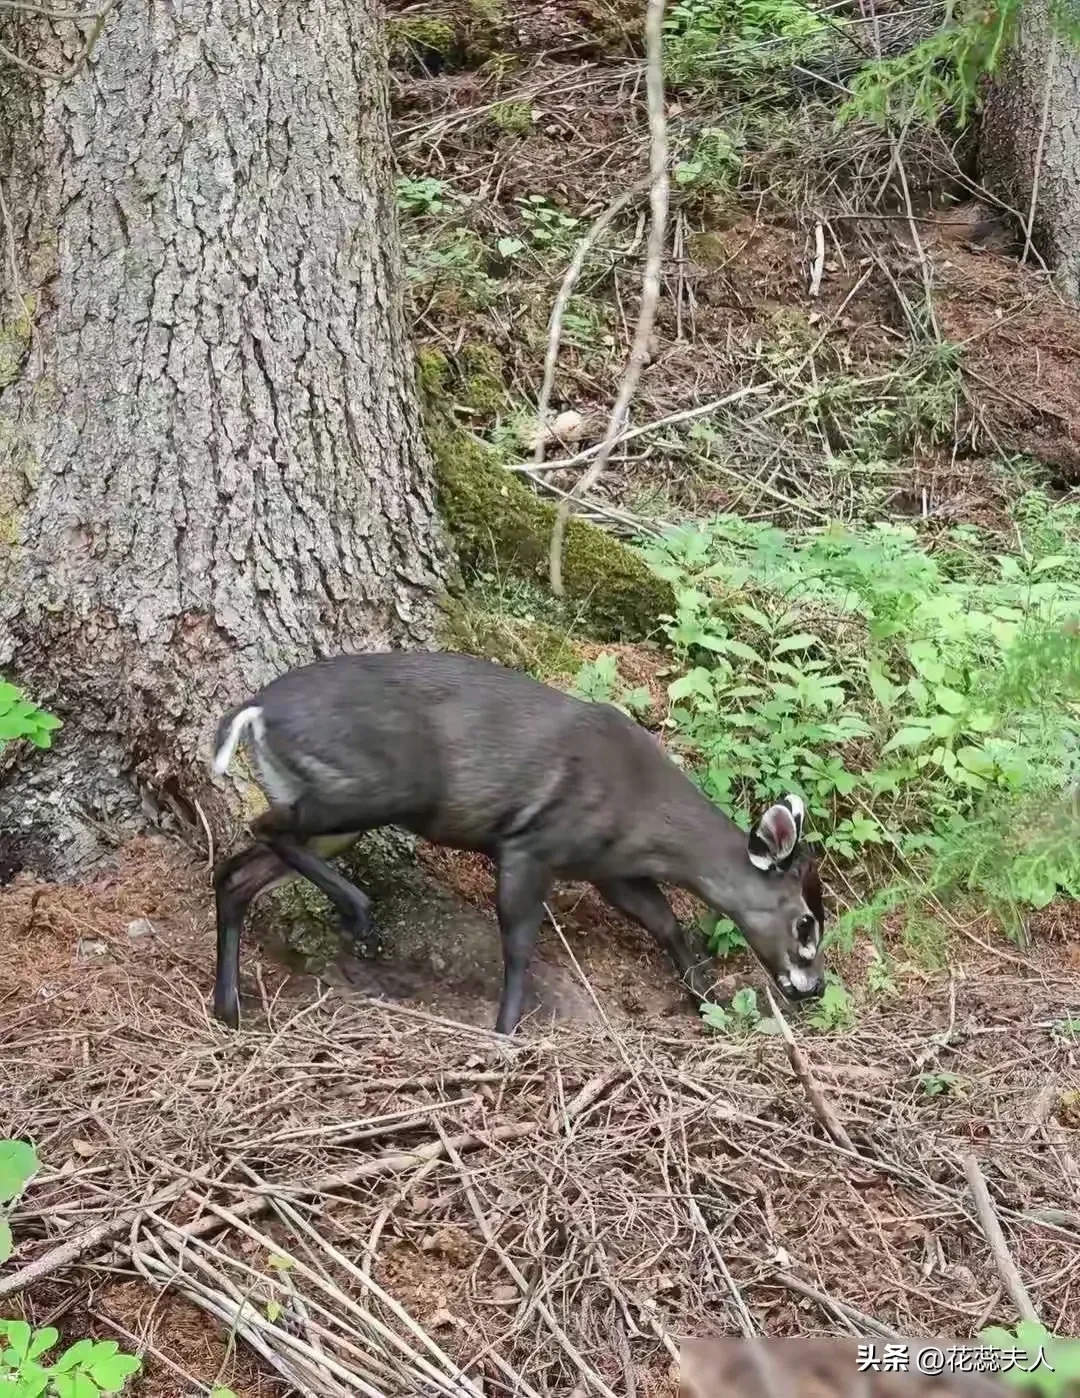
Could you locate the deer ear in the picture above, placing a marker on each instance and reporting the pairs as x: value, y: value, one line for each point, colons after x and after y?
x: 773, y: 839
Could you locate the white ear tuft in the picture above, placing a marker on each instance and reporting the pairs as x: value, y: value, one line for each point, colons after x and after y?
x: 772, y: 841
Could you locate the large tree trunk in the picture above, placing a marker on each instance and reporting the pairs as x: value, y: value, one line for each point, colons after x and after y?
x: 211, y: 461
x: 1030, y: 139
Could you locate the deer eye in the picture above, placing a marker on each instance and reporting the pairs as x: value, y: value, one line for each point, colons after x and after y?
x: 806, y: 927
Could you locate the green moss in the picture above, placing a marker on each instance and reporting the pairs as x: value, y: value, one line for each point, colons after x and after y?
x: 514, y: 118
x: 465, y: 35
x: 616, y: 26
x: 543, y: 650
x: 14, y: 347
x: 497, y: 521
x: 791, y: 327
x: 432, y: 368
x: 19, y: 472
x: 714, y: 248
x: 483, y: 26
x: 419, y: 37
x: 482, y: 386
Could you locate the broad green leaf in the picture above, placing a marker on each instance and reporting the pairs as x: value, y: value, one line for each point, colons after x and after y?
x: 951, y: 700
x: 1054, y: 560
x: 76, y: 1354
x: 802, y: 641
x: 744, y: 652
x: 33, y: 1380
x: 112, y: 1371
x: 976, y: 760
x: 884, y: 690
x: 715, y: 1016
x: 698, y: 681
x: 754, y: 616
x: 64, y: 1384
x: 273, y: 1310
x: 18, y: 1338
x: 43, y: 1340
x: 744, y: 1003
x: 909, y: 737
x: 18, y: 1163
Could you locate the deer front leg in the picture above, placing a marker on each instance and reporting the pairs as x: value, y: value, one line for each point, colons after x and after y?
x: 643, y: 902
x: 523, y: 885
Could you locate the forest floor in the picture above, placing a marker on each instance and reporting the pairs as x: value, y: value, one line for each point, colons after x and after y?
x: 350, y: 1192
x: 553, y: 1213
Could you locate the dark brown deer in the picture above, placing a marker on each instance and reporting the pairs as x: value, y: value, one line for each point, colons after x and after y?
x: 468, y: 754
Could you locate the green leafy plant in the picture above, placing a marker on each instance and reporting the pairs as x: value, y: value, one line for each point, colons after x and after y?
x: 925, y: 706
x: 723, y: 936
x: 742, y: 1016
x: 19, y: 718
x: 708, y: 41
x: 939, y: 75
x: 515, y: 118
x: 448, y: 268
x: 84, y: 1370
x: 87, y: 1367
x: 712, y: 163
x: 938, y: 1084
x: 835, y: 1010
x: 1034, y: 1359
x: 425, y: 195
x: 548, y: 226
x: 599, y: 681
x: 18, y: 1166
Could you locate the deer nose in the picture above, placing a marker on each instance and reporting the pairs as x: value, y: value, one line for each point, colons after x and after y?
x: 799, y: 984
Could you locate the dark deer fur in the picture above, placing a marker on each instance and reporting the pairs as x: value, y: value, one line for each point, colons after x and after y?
x: 468, y: 754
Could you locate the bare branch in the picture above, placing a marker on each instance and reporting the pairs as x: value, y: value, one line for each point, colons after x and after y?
x: 589, y: 241
x: 650, y: 288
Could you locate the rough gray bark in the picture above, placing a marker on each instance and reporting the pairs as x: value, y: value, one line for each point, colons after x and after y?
x: 1035, y: 103
x: 211, y: 461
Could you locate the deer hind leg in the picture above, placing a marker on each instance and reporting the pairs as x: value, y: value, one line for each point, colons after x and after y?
x: 303, y: 842
x: 238, y: 881
x: 643, y: 902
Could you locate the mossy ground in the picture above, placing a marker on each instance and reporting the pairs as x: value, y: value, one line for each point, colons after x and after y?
x: 462, y: 35
x: 502, y: 526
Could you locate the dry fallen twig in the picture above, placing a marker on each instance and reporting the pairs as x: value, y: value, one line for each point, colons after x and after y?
x: 573, y: 271
x: 1007, y: 1270
x: 650, y: 284
x: 822, y: 1110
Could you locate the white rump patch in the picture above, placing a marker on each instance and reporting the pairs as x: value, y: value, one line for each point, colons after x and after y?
x: 252, y: 718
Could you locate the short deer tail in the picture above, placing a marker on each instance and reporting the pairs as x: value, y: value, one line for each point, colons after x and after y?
x: 231, y: 731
